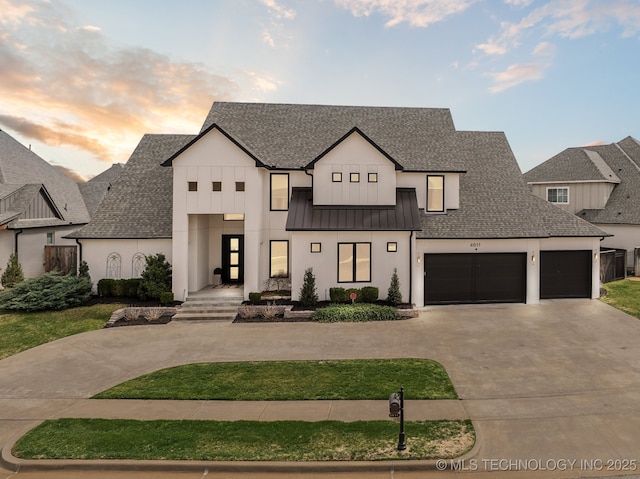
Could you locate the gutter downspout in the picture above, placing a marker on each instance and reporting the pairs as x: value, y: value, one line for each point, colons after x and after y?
x: 79, y: 251
x: 15, y: 239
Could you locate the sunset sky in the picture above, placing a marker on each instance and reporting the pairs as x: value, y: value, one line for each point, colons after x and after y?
x: 82, y: 80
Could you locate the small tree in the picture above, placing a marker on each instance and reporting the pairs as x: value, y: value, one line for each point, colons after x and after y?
x: 308, y: 294
x: 83, y: 270
x: 156, y: 277
x: 13, y: 273
x: 394, y: 296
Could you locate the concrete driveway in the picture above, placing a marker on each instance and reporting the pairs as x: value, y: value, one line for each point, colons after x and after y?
x: 549, y: 387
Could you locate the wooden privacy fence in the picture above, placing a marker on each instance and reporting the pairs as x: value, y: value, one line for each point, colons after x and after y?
x: 613, y: 265
x: 61, y: 258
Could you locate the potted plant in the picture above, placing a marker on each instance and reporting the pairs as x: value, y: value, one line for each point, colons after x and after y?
x: 217, y: 276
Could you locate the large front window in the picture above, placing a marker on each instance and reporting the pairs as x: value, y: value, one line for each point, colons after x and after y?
x: 354, y: 262
x: 279, y: 259
x: 435, y: 193
x: 279, y: 191
x: 558, y: 195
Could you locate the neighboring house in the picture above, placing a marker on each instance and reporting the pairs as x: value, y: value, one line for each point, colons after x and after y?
x: 600, y: 184
x: 94, y: 190
x: 39, y: 205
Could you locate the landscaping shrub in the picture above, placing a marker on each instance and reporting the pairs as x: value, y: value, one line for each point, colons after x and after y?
x: 130, y: 287
x: 255, y: 298
x: 51, y: 291
x: 354, y: 313
x: 338, y: 295
x: 166, y: 298
x: 118, y: 287
x: 308, y: 293
x: 394, y: 295
x: 156, y: 277
x: 83, y: 270
x: 13, y: 274
x: 105, y: 287
x: 369, y: 294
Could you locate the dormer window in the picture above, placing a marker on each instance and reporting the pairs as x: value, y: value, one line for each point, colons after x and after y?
x: 435, y: 194
x: 354, y: 177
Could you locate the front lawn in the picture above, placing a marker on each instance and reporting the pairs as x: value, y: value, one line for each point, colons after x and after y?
x: 243, y: 440
x: 22, y: 331
x: 291, y: 380
x: 623, y: 295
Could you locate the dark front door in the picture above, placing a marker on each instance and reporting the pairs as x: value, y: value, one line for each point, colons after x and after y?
x: 232, y: 258
x: 475, y: 278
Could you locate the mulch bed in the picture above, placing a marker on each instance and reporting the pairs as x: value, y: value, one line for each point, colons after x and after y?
x: 139, y: 322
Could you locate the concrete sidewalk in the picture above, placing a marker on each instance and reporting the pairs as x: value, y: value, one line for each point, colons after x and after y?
x: 558, y: 381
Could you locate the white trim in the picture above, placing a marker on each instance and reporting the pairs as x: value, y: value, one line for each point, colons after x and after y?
x: 570, y: 182
x: 546, y: 196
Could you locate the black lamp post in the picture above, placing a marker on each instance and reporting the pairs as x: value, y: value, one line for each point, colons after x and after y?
x: 396, y: 409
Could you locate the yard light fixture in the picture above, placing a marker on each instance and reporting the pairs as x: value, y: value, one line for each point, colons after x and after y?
x: 396, y: 409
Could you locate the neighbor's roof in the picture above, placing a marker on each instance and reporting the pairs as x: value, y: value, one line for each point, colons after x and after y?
x: 139, y: 203
x: 291, y: 136
x: 24, y: 173
x: 495, y: 201
x: 622, y: 160
x: 94, y: 190
x: 305, y: 216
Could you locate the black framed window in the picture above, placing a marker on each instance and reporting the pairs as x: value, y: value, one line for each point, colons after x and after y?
x: 239, y: 185
x: 193, y: 186
x: 216, y: 186
x: 336, y: 177
x: 354, y: 177
x: 316, y: 247
x: 372, y: 177
x: 354, y: 262
x: 435, y: 193
x: 279, y: 258
x: 279, y: 191
x: 392, y: 246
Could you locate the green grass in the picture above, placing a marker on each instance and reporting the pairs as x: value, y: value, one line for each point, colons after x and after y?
x: 623, y: 295
x: 291, y: 380
x: 22, y: 331
x: 243, y: 440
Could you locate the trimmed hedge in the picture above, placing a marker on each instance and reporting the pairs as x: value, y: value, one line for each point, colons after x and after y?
x: 366, y: 294
x: 355, y: 313
x: 369, y: 294
x: 338, y: 295
x: 127, y: 288
x: 166, y: 298
x: 51, y: 291
x: 255, y: 297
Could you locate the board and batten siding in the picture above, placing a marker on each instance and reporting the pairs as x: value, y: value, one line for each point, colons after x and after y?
x: 582, y: 196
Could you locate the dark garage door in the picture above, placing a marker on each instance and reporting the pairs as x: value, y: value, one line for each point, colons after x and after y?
x: 565, y: 274
x: 475, y: 278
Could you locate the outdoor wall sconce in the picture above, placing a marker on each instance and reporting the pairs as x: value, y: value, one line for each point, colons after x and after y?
x: 418, y: 259
x: 595, y: 256
x: 533, y: 258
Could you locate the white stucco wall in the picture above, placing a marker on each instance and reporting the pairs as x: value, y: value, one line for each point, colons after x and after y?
x: 419, y: 182
x: 354, y: 155
x: 96, y: 251
x: 325, y: 263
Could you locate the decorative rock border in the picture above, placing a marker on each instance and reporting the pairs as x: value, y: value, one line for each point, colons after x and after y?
x: 118, y: 314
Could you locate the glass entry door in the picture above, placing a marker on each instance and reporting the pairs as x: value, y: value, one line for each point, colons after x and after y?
x: 232, y: 258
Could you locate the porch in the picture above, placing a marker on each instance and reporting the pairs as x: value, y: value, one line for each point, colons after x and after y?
x: 217, y: 303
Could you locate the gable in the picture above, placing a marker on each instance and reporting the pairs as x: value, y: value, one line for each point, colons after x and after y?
x: 41, y: 207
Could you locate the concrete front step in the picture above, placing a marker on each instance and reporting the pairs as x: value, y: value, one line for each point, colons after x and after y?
x: 209, y: 308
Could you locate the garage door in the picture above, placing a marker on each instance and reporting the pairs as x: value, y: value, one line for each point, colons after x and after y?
x: 565, y: 274
x: 475, y: 278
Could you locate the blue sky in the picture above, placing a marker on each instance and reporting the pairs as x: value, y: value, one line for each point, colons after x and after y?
x: 82, y: 80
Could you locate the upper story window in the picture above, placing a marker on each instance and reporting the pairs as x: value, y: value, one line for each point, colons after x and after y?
x: 193, y: 186
x: 373, y: 177
x: 435, y: 193
x: 239, y: 185
x: 336, y: 177
x: 216, y: 186
x: 354, y: 177
x: 558, y: 195
x: 279, y: 191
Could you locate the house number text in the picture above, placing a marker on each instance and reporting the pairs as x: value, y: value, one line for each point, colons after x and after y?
x: 475, y: 245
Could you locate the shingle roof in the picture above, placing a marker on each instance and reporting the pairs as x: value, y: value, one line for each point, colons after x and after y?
x: 293, y: 136
x: 139, y: 204
x: 622, y: 159
x: 495, y: 201
x: 20, y: 166
x: 305, y: 216
x: 94, y: 190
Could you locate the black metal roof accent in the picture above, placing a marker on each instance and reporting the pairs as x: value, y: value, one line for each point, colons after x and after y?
x: 305, y: 216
